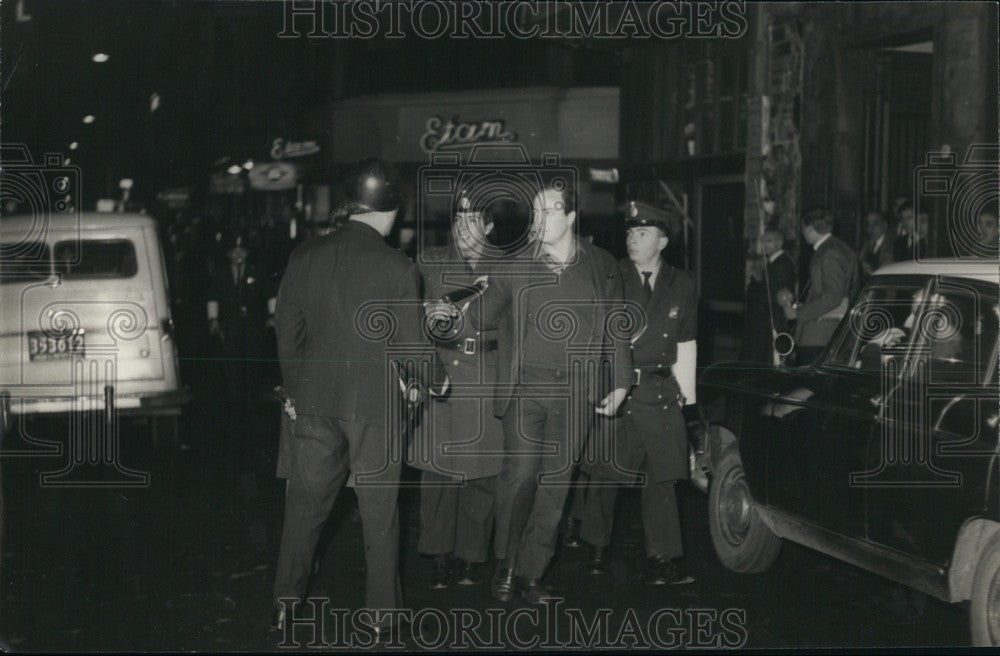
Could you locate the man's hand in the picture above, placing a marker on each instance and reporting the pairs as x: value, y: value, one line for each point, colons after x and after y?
x: 889, y: 338
x: 610, y: 404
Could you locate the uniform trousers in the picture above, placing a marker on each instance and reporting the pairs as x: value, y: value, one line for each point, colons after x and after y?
x: 660, y: 521
x: 456, y: 518
x: 324, y: 451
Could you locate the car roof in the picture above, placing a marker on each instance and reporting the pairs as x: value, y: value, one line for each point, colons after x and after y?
x: 985, y: 269
x: 30, y: 223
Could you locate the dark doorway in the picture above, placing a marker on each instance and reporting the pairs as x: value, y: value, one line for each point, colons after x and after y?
x: 721, y: 267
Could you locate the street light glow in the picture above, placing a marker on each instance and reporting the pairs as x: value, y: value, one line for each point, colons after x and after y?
x: 74, y: 145
x: 100, y: 57
x: 89, y: 118
x: 234, y: 169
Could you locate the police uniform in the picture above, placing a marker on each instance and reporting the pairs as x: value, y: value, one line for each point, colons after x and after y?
x: 459, y: 446
x: 346, y: 300
x: 650, y: 435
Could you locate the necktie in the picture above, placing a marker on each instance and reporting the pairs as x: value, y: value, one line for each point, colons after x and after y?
x: 647, y: 289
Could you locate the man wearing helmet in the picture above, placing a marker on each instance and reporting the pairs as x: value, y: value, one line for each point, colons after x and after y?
x: 342, y: 386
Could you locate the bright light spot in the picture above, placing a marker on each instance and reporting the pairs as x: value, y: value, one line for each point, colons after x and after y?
x: 67, y: 161
x: 154, y: 102
x: 89, y: 118
x: 248, y: 164
x: 74, y: 145
x: 234, y: 170
x: 100, y: 57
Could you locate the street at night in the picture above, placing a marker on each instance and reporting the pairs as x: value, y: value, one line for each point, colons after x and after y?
x: 447, y: 325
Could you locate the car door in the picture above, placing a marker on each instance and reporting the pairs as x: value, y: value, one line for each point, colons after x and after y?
x: 937, y: 437
x: 827, y: 422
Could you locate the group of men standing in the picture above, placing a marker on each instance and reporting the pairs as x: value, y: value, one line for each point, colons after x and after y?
x: 528, y: 364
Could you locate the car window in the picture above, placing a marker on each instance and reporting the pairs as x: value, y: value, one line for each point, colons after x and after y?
x: 24, y: 262
x: 958, y: 332
x: 95, y: 258
x: 880, y: 326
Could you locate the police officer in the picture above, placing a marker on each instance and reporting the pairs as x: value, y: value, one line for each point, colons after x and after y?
x: 458, y: 448
x: 340, y: 383
x: 651, y: 436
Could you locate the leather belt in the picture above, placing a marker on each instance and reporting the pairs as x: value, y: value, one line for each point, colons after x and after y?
x: 662, y: 374
x: 468, y: 346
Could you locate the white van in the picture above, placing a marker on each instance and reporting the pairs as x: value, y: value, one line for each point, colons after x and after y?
x: 83, y: 304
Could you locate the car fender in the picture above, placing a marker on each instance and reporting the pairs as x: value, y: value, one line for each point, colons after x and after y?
x: 972, y: 539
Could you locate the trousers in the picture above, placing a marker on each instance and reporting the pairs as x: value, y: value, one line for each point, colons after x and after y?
x: 324, y: 450
x: 456, y: 518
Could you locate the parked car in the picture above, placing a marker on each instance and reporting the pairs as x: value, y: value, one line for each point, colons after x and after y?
x: 83, y: 304
x: 883, y: 453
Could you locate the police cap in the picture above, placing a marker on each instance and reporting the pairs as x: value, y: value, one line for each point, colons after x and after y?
x: 639, y: 215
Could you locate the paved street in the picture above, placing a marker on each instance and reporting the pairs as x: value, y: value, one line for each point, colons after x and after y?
x: 186, y: 563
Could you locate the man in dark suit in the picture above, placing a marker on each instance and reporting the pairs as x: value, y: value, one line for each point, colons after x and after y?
x: 238, y: 308
x: 556, y: 310
x: 460, y: 443
x: 833, y: 283
x: 651, y: 437
x: 763, y: 318
x: 876, y: 251
x: 908, y: 244
x: 346, y: 302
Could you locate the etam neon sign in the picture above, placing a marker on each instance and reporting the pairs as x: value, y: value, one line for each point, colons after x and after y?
x: 452, y: 134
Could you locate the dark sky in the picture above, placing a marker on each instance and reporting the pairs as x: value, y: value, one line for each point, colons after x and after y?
x: 227, y: 83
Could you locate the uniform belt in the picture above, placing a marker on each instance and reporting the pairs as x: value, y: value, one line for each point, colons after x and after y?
x: 468, y: 346
x: 661, y: 373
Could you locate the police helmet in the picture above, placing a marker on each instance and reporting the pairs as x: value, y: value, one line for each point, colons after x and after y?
x: 372, y: 186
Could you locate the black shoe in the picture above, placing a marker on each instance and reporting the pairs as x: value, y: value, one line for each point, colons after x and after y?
x: 572, y: 536
x: 469, y: 573
x: 502, y: 585
x: 663, y: 571
x: 532, y: 590
x: 599, y: 561
x: 441, y: 577
x: 278, y: 619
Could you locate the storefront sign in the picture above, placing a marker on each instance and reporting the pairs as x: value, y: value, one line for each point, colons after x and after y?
x: 273, y: 176
x: 282, y: 148
x: 449, y: 135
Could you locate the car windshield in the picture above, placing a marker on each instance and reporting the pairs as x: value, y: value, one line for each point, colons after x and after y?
x: 24, y: 262
x: 95, y: 258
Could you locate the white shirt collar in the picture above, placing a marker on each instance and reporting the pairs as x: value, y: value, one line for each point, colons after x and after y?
x: 819, y: 242
x: 778, y: 253
x: 655, y: 269
x: 878, y: 243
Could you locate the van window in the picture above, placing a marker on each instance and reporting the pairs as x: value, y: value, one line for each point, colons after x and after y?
x: 95, y: 258
x: 24, y: 262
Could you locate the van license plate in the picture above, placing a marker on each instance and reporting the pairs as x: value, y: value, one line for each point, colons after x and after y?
x: 42, y: 346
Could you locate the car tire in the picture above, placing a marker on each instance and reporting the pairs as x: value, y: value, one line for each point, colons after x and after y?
x: 742, y: 541
x: 984, y: 614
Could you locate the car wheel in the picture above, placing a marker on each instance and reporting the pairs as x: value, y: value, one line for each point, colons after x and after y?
x: 742, y: 541
x: 985, y: 612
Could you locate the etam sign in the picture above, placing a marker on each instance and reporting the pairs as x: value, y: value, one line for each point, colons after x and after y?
x: 454, y: 134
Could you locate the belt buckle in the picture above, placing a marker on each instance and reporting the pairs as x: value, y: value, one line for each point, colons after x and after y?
x: 469, y: 346
x: 638, y: 375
